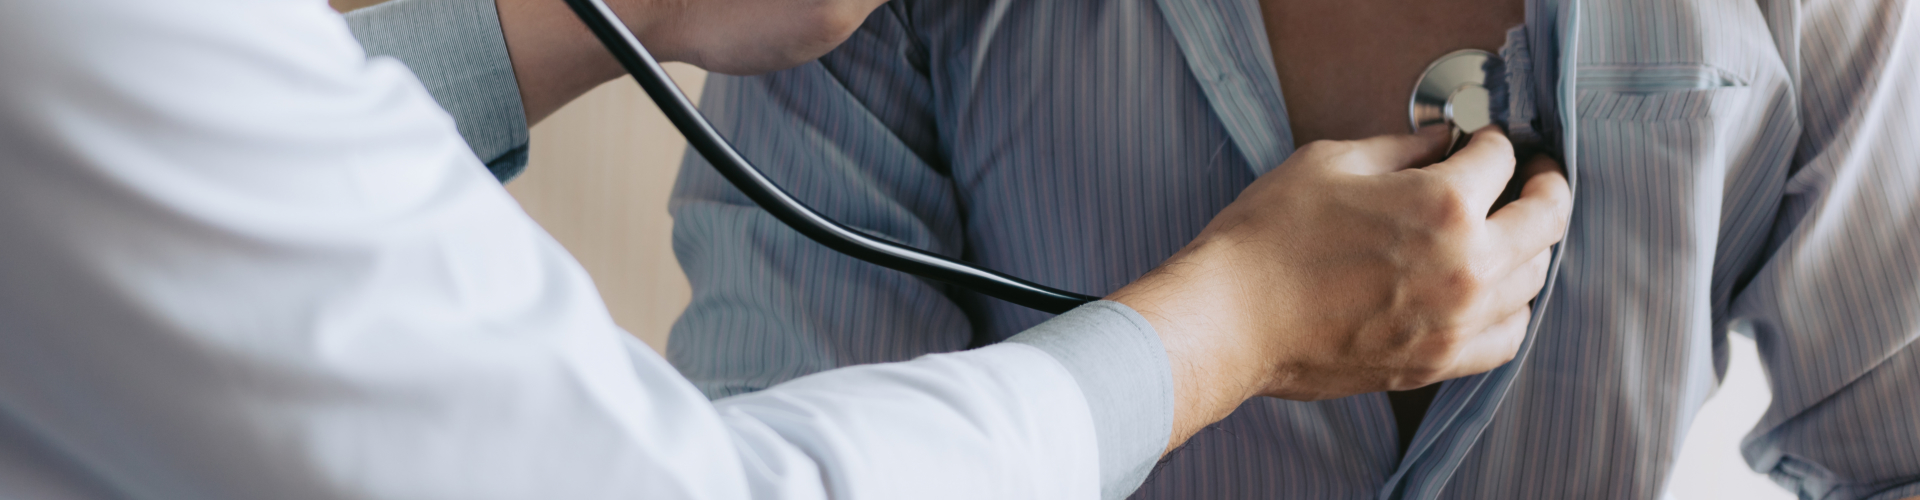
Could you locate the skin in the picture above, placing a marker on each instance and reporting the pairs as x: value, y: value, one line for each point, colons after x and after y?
x: 1353, y: 267
x: 1346, y: 67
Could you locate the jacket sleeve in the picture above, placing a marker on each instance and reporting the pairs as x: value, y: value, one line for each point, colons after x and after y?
x: 1836, y: 309
x: 456, y: 49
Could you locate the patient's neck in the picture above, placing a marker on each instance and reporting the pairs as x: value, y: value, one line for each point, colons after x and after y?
x: 1347, y: 66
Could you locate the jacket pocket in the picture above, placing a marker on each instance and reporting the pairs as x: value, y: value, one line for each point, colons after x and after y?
x: 1650, y: 93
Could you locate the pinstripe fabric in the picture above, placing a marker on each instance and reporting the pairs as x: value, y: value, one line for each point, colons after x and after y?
x: 1734, y: 162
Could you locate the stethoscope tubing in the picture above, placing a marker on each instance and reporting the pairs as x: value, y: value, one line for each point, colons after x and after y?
x: 627, y: 49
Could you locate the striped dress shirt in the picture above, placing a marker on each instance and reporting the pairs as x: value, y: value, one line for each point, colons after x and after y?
x: 1746, y: 167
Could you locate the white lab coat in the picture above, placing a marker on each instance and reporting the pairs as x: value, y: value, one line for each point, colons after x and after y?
x: 239, y: 260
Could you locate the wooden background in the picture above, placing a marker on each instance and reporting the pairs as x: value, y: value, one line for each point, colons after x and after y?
x: 598, y: 179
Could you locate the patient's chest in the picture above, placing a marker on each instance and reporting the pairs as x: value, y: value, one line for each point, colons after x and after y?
x: 1347, y: 66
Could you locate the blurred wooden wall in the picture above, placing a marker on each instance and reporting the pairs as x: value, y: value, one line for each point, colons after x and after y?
x: 598, y: 180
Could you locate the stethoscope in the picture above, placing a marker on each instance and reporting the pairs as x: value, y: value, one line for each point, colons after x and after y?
x: 1451, y: 92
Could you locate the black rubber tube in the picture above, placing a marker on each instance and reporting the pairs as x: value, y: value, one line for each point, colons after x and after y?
x: 749, y: 180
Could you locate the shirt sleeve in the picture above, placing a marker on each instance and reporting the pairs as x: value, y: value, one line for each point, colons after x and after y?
x: 244, y: 261
x: 456, y: 49
x: 1836, y: 309
x: 854, y: 135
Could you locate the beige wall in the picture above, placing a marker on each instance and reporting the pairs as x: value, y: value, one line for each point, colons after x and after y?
x: 598, y: 180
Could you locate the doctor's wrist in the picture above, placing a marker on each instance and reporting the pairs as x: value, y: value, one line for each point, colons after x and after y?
x: 1217, y: 359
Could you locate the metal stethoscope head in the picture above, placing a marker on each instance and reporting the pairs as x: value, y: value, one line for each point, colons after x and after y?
x: 1453, y: 92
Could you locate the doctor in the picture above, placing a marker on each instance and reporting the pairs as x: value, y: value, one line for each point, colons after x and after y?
x: 239, y: 259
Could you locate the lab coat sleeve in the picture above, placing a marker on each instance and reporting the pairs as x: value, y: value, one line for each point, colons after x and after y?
x: 242, y: 261
x: 456, y: 49
x: 1835, y: 310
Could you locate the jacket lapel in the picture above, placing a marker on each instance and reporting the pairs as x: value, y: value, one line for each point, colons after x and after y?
x: 1225, y: 44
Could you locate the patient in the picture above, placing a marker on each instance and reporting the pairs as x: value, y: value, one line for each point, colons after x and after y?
x: 1080, y: 142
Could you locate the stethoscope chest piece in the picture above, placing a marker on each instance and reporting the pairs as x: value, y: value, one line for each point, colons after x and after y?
x: 1453, y: 92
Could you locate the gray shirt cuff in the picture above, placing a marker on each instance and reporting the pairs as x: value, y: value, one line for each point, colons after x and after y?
x: 1122, y: 368
x: 456, y: 49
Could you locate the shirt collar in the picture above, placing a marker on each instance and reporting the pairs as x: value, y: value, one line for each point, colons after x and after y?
x: 1225, y: 44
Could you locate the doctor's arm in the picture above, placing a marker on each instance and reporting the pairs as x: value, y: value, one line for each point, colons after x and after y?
x: 244, y: 262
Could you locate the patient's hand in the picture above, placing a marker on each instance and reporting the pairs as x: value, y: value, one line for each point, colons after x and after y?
x: 1346, y: 271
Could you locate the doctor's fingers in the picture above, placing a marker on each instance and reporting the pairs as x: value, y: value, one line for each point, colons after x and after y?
x: 1490, y: 328
x: 1479, y: 171
x: 1513, y: 291
x: 1489, y: 348
x: 1538, y: 219
x: 1379, y: 154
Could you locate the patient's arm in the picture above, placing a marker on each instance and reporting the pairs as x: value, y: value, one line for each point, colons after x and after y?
x: 1836, y: 309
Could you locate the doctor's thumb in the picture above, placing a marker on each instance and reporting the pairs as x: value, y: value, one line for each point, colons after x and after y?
x: 1382, y: 154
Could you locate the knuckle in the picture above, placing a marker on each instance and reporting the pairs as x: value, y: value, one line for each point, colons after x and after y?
x: 1415, y: 377
x: 1441, y: 204
x: 1463, y: 284
x: 1497, y: 139
x: 1327, y: 149
x: 1540, y: 266
x: 1510, y: 351
x: 1562, y: 214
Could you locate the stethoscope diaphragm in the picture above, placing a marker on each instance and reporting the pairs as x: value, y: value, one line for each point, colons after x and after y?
x: 1453, y: 92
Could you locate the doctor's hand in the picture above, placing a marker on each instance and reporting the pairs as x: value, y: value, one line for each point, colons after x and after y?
x: 1356, y: 267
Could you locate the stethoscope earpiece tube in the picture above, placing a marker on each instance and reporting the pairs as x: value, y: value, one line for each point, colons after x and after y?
x: 750, y: 181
